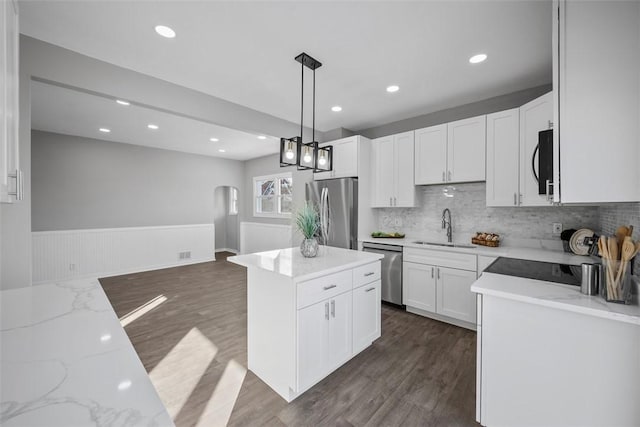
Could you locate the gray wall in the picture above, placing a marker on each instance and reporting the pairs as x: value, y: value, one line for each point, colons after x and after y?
x: 470, y: 214
x: 487, y: 106
x: 80, y: 183
x: 227, y: 226
x: 268, y: 165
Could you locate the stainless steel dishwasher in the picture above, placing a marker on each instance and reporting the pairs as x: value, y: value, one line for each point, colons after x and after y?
x: 391, y: 270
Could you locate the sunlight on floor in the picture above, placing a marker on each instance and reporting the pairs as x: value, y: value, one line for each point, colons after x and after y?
x: 223, y: 399
x: 142, y: 310
x: 178, y: 373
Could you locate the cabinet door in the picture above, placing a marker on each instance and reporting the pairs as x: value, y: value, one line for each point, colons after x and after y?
x: 313, y: 343
x: 419, y: 286
x: 340, y: 329
x: 466, y: 146
x: 405, y: 190
x: 366, y: 315
x: 431, y: 155
x: 345, y: 159
x: 383, y: 170
x: 599, y: 108
x: 9, y: 86
x: 535, y: 116
x: 455, y: 298
x: 503, y: 158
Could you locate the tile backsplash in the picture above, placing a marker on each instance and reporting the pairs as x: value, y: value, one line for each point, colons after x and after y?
x: 469, y: 214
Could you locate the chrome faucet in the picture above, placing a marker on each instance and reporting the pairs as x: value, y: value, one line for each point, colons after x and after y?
x: 446, y: 223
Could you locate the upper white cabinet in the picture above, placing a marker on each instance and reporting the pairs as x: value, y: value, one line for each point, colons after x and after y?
x: 503, y: 149
x: 512, y: 153
x: 431, y: 155
x: 466, y: 145
x: 596, y: 79
x: 392, y: 160
x: 345, y: 158
x: 11, y: 180
x: 451, y: 152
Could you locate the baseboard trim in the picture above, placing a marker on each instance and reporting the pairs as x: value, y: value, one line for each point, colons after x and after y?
x: 233, y: 251
x: 441, y: 318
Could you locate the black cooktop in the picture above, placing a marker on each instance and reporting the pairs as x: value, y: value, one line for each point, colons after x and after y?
x: 547, y: 271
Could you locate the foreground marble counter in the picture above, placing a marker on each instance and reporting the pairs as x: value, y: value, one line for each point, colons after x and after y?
x: 65, y: 360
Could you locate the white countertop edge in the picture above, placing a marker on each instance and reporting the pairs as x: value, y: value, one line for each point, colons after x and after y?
x: 484, y: 286
x: 343, y: 267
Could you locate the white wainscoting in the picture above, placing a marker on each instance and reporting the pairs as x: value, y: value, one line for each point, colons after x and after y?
x: 70, y: 254
x: 259, y: 237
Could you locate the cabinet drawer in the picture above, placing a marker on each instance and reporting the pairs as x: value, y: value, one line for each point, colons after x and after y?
x: 441, y: 258
x: 315, y: 290
x: 366, y: 274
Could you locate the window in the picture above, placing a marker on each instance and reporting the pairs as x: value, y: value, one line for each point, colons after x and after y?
x: 272, y: 195
x: 233, y: 201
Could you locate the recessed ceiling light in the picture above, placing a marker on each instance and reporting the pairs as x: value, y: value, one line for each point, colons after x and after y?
x: 105, y: 130
x: 121, y: 102
x: 262, y: 137
x: 393, y: 88
x: 222, y: 150
x: 476, y: 59
x: 214, y: 139
x: 336, y: 108
x: 152, y: 126
x: 165, y: 31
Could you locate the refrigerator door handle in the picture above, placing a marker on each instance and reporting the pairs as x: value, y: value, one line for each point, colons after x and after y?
x: 324, y: 215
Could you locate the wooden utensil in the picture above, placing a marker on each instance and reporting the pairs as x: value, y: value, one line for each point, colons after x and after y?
x: 621, y: 233
x: 603, y: 246
x: 628, y: 252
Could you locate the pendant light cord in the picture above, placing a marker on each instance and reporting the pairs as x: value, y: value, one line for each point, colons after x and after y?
x: 301, y: 99
x: 313, y: 125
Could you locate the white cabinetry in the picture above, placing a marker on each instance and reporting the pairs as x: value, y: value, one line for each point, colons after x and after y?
x: 345, y: 158
x: 503, y: 148
x: 366, y: 315
x: 393, y: 171
x: 11, y: 180
x: 437, y: 284
x: 512, y: 160
x: 301, y: 330
x: 431, y: 155
x: 452, y: 152
x: 324, y: 336
x: 598, y: 101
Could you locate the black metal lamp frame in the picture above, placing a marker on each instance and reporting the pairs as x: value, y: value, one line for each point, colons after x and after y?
x: 311, y: 63
x: 285, y: 145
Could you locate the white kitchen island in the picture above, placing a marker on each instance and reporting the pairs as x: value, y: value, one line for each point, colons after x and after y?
x: 308, y: 316
x: 551, y: 356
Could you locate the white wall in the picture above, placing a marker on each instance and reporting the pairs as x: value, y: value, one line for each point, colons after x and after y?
x: 260, y: 237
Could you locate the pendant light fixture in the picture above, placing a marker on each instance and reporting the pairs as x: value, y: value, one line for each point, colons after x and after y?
x: 294, y: 151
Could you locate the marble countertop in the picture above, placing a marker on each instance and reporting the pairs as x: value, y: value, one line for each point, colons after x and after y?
x: 65, y: 360
x: 553, y: 295
x: 533, y: 254
x: 289, y: 262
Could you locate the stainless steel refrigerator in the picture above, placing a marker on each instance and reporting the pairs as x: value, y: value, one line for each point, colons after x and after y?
x: 337, y: 202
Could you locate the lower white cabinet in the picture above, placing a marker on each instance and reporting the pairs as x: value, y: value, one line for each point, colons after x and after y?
x: 430, y: 288
x: 453, y: 295
x: 366, y: 315
x: 419, y: 286
x: 324, y: 338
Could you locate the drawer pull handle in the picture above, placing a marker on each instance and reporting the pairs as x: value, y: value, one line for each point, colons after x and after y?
x: 326, y: 310
x: 326, y: 288
x: 370, y: 289
x: 371, y: 273
x: 333, y: 308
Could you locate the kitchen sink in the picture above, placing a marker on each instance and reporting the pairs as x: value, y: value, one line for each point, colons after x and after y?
x: 447, y: 245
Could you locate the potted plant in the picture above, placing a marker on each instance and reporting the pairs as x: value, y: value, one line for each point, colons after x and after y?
x: 308, y: 222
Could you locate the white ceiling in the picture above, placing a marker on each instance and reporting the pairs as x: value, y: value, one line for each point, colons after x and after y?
x: 71, y: 112
x: 243, y: 51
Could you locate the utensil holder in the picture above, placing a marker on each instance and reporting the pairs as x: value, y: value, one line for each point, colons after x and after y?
x: 616, y: 281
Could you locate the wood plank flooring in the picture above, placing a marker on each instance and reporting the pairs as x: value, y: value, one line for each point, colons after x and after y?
x: 419, y: 373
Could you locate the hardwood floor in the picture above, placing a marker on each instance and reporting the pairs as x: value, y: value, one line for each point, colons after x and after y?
x: 419, y: 373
